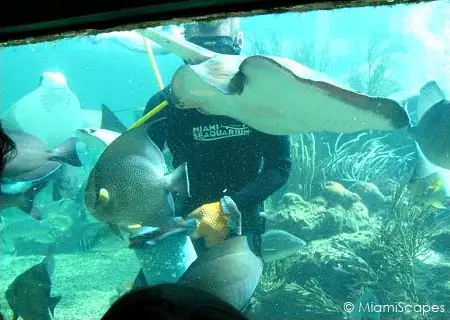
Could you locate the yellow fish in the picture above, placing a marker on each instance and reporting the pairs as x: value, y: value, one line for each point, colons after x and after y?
x: 430, y: 190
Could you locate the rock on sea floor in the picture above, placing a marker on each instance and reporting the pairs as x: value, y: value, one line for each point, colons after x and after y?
x: 86, y: 281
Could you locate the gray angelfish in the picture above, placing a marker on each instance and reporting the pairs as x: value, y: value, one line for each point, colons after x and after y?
x: 128, y: 184
x: 432, y: 133
x: 29, y: 295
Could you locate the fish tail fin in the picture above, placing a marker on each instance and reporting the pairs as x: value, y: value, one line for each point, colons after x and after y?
x: 110, y: 121
x: 53, y: 302
x: 84, y: 245
x: 178, y: 180
x: 67, y: 152
x: 430, y: 94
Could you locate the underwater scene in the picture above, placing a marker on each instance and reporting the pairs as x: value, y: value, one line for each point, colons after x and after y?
x: 296, y: 165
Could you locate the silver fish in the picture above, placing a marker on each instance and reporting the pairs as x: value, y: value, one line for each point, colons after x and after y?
x: 34, y: 161
x: 278, y: 244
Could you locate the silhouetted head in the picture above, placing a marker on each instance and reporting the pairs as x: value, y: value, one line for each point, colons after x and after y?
x: 8, y: 149
x: 171, y: 302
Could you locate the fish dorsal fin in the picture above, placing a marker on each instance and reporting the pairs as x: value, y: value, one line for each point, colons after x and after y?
x: 430, y: 94
x: 52, y: 304
x: 110, y: 121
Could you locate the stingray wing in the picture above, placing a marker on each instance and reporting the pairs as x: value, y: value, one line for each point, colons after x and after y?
x: 280, y: 96
x: 52, y: 116
x: 17, y: 116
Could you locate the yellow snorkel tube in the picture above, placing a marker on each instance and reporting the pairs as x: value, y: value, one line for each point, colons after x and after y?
x: 154, y: 66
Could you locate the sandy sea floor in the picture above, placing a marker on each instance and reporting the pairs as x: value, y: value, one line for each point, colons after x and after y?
x: 86, y: 281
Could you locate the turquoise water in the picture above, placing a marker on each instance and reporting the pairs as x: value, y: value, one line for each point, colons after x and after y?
x: 97, y: 73
x: 346, y: 211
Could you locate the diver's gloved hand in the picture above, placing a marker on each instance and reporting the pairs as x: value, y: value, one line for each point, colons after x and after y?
x: 216, y: 220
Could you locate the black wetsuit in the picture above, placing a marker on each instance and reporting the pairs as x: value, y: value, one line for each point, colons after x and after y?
x: 224, y: 157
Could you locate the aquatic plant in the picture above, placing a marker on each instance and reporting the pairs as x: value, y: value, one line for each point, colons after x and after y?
x: 303, y: 153
x: 374, y: 78
x: 304, y: 52
x: 353, y: 160
x: 313, y: 298
x: 404, y: 236
x: 350, y: 275
x: 269, y: 45
x: 311, y: 56
x: 271, y: 279
x: 372, y: 161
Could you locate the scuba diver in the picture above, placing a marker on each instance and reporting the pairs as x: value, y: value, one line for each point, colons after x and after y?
x: 8, y: 149
x: 225, y: 157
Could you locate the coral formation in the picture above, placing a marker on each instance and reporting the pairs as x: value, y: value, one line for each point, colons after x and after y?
x: 320, y: 217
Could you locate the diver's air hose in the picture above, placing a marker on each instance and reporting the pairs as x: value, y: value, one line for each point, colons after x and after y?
x: 154, y: 66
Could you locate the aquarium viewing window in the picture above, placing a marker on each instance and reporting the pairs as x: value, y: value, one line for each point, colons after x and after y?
x: 291, y: 159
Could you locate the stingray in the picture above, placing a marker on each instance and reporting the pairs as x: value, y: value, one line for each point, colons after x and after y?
x: 274, y: 95
x: 52, y: 112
